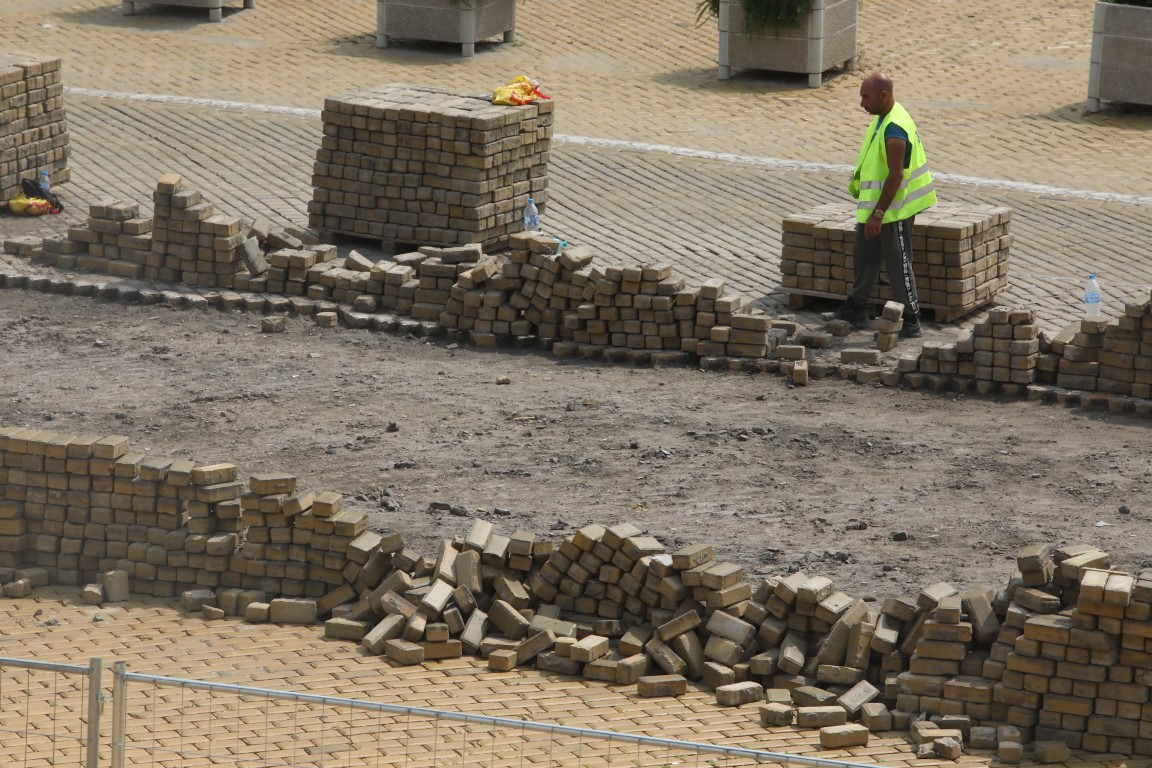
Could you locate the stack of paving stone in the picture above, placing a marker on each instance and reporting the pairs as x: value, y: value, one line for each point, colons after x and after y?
x: 203, y: 247
x: 1006, y: 347
x: 961, y: 256
x: 294, y: 543
x: 1080, y: 356
x: 274, y: 554
x: 290, y: 270
x: 478, y: 303
x: 579, y: 306
x: 605, y: 572
x: 553, y: 286
x: 339, y: 283
x: 395, y: 283
x: 1000, y: 353
x: 419, y: 165
x: 58, y: 251
x: 889, y: 325
x: 1126, y: 355
x: 634, y: 311
x: 438, y: 273
x: 331, y: 530
x: 1097, y: 355
x: 725, y: 323
x: 117, y: 240
x: 1074, y: 656
x: 33, y: 129
x: 208, y: 545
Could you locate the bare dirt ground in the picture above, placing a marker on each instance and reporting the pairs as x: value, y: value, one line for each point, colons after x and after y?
x: 817, y: 478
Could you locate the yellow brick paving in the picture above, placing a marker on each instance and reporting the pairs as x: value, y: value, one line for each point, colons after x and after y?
x: 998, y: 87
x: 174, y: 726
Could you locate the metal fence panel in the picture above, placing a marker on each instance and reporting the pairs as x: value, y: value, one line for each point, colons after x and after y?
x: 178, y: 723
x: 49, y: 713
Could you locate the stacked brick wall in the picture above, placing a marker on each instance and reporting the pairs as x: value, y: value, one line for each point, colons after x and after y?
x: 191, y: 241
x: 33, y: 126
x: 961, y: 255
x: 418, y: 165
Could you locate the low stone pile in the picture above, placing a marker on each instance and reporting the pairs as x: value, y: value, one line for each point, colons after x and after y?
x: 1007, y: 353
x: 186, y: 241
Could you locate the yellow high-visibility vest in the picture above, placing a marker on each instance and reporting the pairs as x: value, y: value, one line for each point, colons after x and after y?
x: 916, y: 193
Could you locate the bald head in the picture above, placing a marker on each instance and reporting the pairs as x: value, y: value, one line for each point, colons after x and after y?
x: 876, y: 94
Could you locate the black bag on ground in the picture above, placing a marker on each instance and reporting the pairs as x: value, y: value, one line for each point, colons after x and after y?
x: 32, y: 189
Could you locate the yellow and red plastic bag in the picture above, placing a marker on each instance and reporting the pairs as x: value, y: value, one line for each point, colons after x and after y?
x: 22, y: 205
x: 521, y: 90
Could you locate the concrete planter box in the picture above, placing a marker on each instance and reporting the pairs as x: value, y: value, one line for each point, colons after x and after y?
x: 215, y: 7
x: 826, y: 39
x: 447, y: 21
x: 1121, y: 67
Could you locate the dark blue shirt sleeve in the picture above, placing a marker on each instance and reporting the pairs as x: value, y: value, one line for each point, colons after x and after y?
x: 893, y: 131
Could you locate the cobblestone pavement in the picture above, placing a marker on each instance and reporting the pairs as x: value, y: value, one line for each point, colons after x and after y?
x: 998, y: 90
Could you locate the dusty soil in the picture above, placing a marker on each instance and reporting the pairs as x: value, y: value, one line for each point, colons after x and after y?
x: 817, y: 478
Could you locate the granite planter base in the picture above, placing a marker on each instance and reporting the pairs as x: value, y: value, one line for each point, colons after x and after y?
x: 215, y: 7
x: 826, y: 39
x: 466, y: 22
x: 1121, y: 55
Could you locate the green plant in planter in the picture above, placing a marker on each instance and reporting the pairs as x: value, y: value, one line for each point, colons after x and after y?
x: 760, y: 14
x: 1139, y: 3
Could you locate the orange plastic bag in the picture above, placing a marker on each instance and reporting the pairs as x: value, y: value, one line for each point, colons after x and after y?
x: 521, y: 90
x: 22, y: 205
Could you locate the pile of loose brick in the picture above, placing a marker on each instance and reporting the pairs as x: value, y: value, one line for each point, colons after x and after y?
x: 184, y: 241
x: 33, y: 126
x: 998, y: 354
x: 961, y: 255
x: 1007, y: 353
x: 1060, y: 657
x: 419, y: 165
x: 558, y: 295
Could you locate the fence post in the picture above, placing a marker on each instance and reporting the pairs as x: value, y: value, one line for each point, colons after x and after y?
x: 95, y: 691
x: 119, y: 712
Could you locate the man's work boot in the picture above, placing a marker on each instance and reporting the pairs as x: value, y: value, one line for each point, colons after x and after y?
x: 911, y: 329
x: 857, y: 317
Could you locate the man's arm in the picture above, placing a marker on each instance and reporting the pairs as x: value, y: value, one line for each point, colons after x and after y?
x: 895, y: 149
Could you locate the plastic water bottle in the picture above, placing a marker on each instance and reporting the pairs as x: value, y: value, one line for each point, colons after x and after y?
x: 531, y: 216
x: 45, y: 181
x: 1091, y: 298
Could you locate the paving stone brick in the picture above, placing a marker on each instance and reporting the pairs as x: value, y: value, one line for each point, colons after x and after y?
x: 776, y: 714
x: 653, y: 686
x: 818, y: 717
x: 284, y: 610
x: 842, y: 736
x: 736, y: 694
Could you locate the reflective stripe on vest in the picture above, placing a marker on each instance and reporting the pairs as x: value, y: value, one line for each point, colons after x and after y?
x: 917, y: 190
